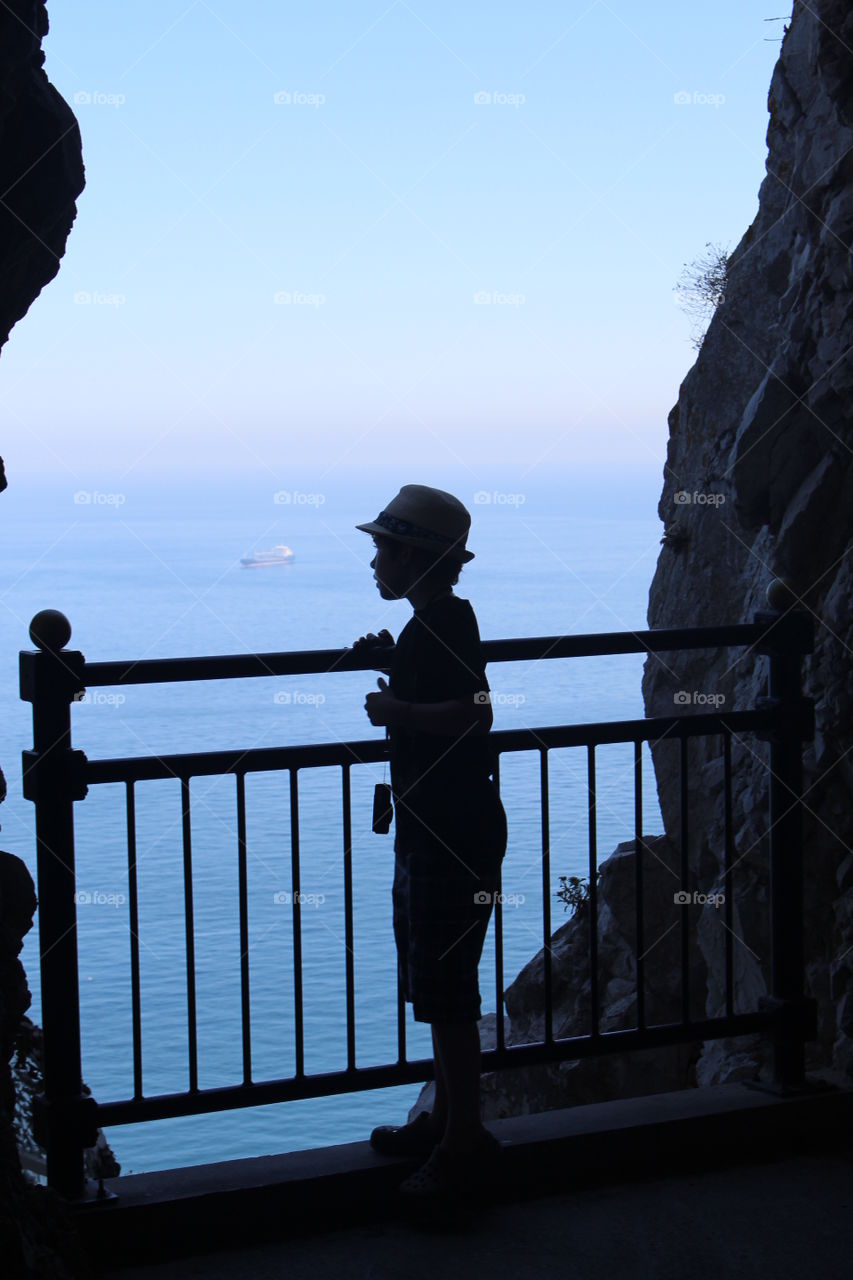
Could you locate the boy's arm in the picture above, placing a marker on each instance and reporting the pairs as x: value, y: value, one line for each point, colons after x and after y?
x: 453, y: 718
x: 450, y: 663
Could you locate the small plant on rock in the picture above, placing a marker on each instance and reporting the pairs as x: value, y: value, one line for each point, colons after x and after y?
x: 702, y: 287
x: 574, y: 892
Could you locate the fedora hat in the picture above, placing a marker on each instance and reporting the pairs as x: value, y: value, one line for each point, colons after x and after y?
x: 425, y: 517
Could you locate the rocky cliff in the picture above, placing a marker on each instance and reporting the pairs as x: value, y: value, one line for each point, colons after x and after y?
x: 41, y: 175
x: 758, y: 483
x: 41, y: 165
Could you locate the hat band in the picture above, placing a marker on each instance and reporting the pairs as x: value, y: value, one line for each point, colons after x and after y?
x: 405, y: 528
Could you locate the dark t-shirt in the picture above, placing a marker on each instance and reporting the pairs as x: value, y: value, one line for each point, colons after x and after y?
x: 441, y: 783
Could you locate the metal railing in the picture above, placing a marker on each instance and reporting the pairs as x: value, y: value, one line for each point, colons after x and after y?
x: 56, y: 777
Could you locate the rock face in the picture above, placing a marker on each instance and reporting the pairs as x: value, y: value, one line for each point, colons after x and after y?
x: 615, y: 1075
x: 17, y: 908
x: 41, y: 174
x: 28, y: 1080
x: 35, y: 1236
x: 758, y: 484
x: 762, y: 423
x: 41, y: 166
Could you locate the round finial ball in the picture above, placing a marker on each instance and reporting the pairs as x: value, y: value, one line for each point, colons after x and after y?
x: 50, y: 630
x: 779, y: 595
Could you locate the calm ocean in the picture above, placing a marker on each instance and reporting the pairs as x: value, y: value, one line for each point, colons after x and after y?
x: 152, y: 570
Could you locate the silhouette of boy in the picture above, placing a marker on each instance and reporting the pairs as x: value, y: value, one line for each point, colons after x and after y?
x: 450, y: 825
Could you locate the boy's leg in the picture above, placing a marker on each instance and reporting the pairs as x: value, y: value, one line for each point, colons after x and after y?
x: 457, y: 1046
x: 439, y: 1106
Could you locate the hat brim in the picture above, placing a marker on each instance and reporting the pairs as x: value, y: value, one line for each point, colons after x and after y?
x: 458, y: 553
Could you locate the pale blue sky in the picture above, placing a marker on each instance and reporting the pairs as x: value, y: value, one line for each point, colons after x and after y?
x: 381, y: 199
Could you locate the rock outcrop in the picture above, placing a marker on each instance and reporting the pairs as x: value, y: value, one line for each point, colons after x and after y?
x: 41, y: 165
x: 37, y: 1238
x: 530, y: 1089
x: 27, y: 1069
x: 758, y: 483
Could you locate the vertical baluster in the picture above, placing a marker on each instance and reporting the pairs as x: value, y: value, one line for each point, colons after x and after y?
x: 192, y: 1042
x: 136, y: 1016
x: 685, y: 874
x: 638, y: 882
x: 348, y: 928
x: 499, y: 938
x: 593, y: 889
x: 242, y: 878
x: 51, y: 779
x: 401, y: 1021
x: 297, y: 924
x: 727, y: 905
x: 546, y: 891
x: 795, y: 1014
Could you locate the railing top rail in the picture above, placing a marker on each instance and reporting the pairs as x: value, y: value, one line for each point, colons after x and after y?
x: 520, y: 649
x: 371, y: 750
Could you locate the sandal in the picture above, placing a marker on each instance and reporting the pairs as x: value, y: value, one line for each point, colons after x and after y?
x: 450, y: 1175
x: 414, y: 1139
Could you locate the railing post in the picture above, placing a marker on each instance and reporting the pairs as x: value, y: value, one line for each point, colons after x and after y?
x: 791, y: 636
x: 64, y: 1120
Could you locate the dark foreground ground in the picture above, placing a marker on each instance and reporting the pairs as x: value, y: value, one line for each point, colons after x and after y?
x: 792, y: 1218
x: 725, y: 1182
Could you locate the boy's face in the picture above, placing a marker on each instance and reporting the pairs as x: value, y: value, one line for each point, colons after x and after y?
x: 391, y: 569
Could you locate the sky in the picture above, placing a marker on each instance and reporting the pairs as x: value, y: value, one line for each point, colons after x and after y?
x: 347, y: 234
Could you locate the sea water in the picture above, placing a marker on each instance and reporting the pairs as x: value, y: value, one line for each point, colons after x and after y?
x: 151, y: 569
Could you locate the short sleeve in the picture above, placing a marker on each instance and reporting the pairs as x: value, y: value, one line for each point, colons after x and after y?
x: 451, y: 663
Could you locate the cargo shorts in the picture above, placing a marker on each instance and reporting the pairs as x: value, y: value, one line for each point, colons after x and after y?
x: 442, y: 902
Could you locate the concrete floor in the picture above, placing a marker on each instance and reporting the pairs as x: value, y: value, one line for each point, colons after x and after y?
x: 792, y: 1218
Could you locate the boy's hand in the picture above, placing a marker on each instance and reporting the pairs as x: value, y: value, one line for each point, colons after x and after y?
x: 384, y: 637
x: 383, y: 708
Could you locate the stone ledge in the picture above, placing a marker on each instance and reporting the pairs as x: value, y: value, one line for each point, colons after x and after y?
x: 218, y: 1206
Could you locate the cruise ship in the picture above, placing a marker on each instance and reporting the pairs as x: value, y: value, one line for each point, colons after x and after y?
x: 261, y: 559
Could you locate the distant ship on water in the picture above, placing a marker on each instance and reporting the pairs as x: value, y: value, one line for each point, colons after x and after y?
x: 262, y: 559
